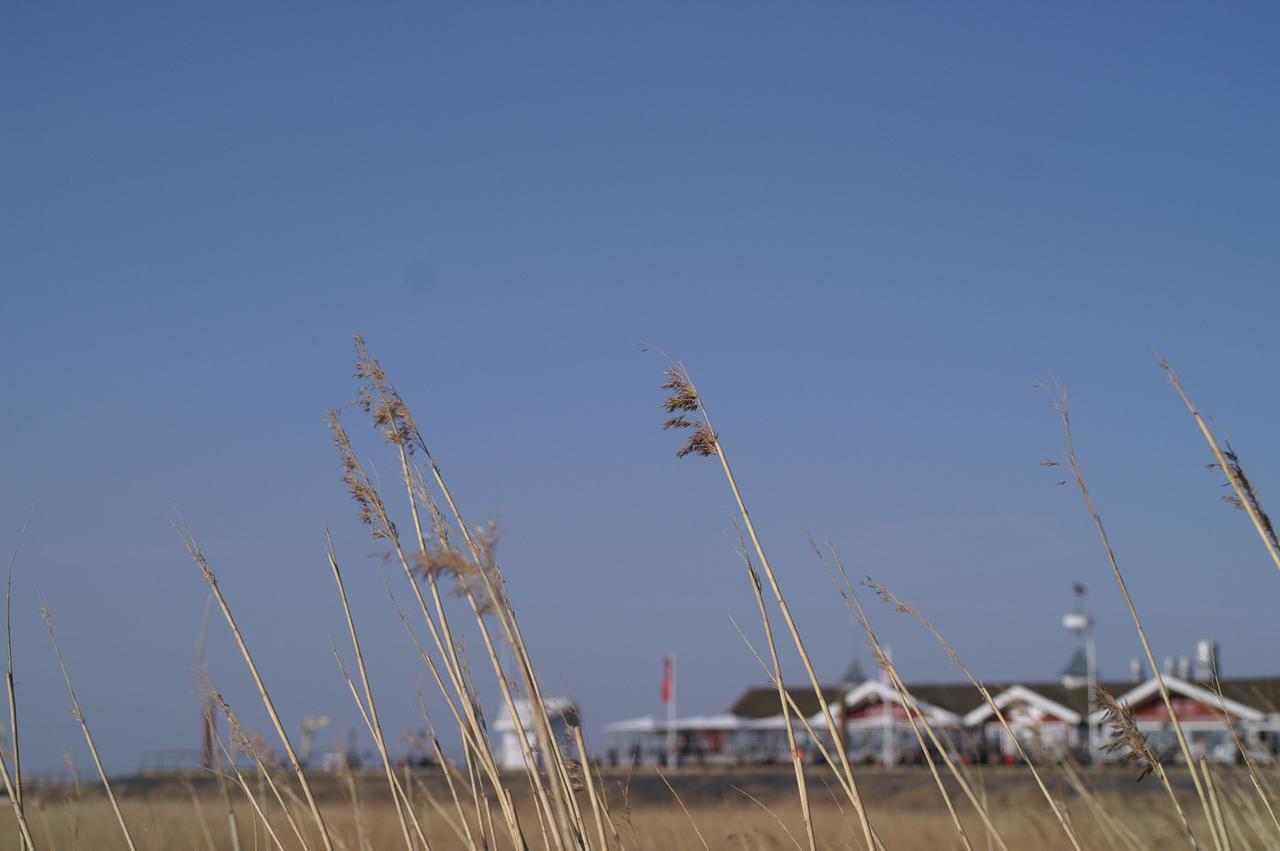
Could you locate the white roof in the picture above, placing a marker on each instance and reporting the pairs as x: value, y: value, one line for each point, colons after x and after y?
x: 632, y: 725
x: 648, y: 724
x: 1180, y: 686
x: 888, y: 694
x: 773, y: 722
x: 708, y: 722
x: 1015, y: 694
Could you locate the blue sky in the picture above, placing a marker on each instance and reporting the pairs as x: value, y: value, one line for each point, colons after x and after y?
x: 867, y: 229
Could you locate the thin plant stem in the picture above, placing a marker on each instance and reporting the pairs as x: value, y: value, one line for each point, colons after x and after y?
x: 797, y: 763
x: 1063, y: 409
x: 1244, y: 752
x: 373, y: 511
x: 908, y: 702
x: 212, y: 580
x: 375, y: 724
x: 591, y: 786
x: 706, y: 441
x: 398, y: 793
x: 9, y: 681
x: 687, y: 814
x: 244, y: 744
x: 88, y: 737
x: 253, y: 800
x: 888, y: 596
x: 1214, y: 805
x: 384, y: 403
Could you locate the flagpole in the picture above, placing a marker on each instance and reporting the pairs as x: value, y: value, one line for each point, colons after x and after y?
x: 671, y: 718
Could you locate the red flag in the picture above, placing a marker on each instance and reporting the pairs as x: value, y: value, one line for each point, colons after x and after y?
x: 668, y: 676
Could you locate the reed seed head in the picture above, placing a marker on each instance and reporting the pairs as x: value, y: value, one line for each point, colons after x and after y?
x: 685, y: 398
x: 1126, y: 737
x: 468, y: 576
x: 380, y: 400
x: 701, y: 442
x: 577, y: 775
x: 1246, y: 487
x: 371, y: 510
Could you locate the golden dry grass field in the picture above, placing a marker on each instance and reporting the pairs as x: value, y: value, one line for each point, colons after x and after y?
x: 903, y: 802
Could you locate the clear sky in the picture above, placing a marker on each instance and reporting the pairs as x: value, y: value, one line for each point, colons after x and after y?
x: 866, y: 228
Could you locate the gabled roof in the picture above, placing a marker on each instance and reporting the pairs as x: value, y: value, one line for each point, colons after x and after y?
x: 1252, y: 692
x: 882, y: 692
x: 1023, y: 694
x: 1247, y: 697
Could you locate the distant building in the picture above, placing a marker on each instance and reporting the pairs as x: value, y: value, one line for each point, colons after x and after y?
x: 563, y: 714
x: 1047, y: 718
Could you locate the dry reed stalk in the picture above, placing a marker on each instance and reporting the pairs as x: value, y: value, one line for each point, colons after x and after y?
x: 563, y: 811
x: 1252, y: 817
x: 481, y: 753
x: 210, y: 718
x: 233, y: 823
x: 1136, y: 749
x: 253, y: 800
x: 844, y: 817
x: 23, y: 829
x: 399, y: 794
x: 1245, y: 496
x: 211, y: 580
x: 571, y: 779
x: 1254, y: 777
x: 1112, y: 828
x: 73, y: 801
x: 850, y: 597
x: 1214, y: 806
x: 453, y: 792
x: 474, y: 781
x: 775, y: 675
x: 1061, y: 406
x: 1237, y: 827
x: 460, y: 829
x: 775, y: 816
x: 371, y: 708
x: 705, y: 441
x: 10, y: 686
x: 203, y: 823
x: 373, y: 512
x: 78, y: 714
x: 357, y: 809
x: 604, y: 811
x: 889, y: 597
x: 685, y: 809
x: 542, y: 826
x: 381, y: 400
x: 591, y: 786
x: 247, y: 746
x: 790, y: 702
x: 912, y: 710
x: 243, y: 743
